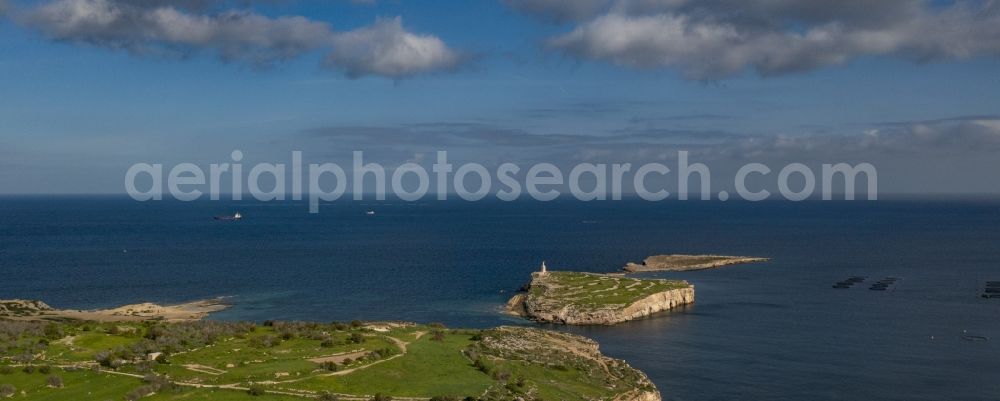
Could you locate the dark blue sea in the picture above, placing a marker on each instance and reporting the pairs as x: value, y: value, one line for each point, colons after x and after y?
x: 772, y: 331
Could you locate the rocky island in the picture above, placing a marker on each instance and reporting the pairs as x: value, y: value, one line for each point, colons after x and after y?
x: 596, y: 299
x: 687, y: 262
x: 203, y: 360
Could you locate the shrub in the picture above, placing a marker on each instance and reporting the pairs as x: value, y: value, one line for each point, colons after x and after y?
x: 265, y: 341
x: 104, y: 358
x: 29, y: 369
x: 7, y: 390
x: 327, y: 343
x: 6, y: 370
x: 356, y: 323
x: 478, y: 363
x: 45, y: 369
x: 55, y: 382
x: 501, y: 375
x: 256, y: 390
x: 357, y: 338
x: 438, y: 336
x: 381, y: 397
x: 330, y: 366
x: 52, y: 331
x: 140, y: 392
x: 328, y: 396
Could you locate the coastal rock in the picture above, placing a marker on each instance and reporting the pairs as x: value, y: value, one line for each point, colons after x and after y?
x: 688, y: 262
x: 597, y: 299
x: 551, y: 348
x: 21, y: 307
x: 37, y: 310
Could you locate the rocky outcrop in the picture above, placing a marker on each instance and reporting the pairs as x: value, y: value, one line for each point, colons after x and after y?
x: 687, y: 262
x: 593, y: 301
x: 21, y: 307
x: 551, y: 348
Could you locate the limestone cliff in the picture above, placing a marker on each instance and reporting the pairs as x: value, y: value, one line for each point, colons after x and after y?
x: 596, y: 299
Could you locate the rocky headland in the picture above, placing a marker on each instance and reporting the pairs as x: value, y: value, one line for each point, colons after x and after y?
x: 596, y: 299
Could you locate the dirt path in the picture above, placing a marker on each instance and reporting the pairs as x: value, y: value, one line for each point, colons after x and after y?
x: 298, y: 393
x: 204, y: 369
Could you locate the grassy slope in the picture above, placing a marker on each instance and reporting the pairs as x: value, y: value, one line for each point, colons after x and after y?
x: 430, y: 366
x: 595, y: 290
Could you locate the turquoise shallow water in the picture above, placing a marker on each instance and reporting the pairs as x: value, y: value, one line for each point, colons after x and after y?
x: 765, y: 331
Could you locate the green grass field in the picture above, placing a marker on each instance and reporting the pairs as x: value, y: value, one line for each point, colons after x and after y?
x: 291, y: 361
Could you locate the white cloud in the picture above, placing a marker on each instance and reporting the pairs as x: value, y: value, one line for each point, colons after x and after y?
x: 386, y: 49
x: 718, y: 38
x: 177, y: 29
x: 233, y: 35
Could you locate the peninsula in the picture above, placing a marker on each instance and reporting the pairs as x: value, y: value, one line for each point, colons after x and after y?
x: 18, y: 309
x: 596, y: 299
x: 156, y: 360
x: 678, y: 263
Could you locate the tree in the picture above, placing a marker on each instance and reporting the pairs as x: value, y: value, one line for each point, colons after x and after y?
x: 357, y: 338
x: 381, y: 397
x: 55, y: 381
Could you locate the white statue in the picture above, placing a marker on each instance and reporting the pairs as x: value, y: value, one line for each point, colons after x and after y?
x: 544, y: 269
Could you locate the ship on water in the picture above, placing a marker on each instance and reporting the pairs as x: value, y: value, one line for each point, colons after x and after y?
x: 236, y: 216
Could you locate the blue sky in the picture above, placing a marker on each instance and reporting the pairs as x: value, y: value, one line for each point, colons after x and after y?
x: 78, y: 106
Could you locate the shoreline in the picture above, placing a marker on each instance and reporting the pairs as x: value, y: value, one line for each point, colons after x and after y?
x: 33, y: 310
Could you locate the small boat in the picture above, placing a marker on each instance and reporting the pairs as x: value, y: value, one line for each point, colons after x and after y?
x: 973, y: 337
x: 236, y: 216
x: 370, y: 212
